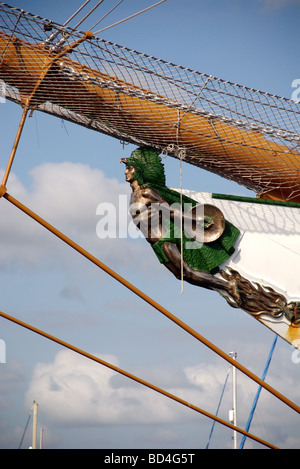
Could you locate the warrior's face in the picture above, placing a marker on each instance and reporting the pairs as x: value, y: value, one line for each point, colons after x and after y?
x: 144, y: 167
x: 129, y: 173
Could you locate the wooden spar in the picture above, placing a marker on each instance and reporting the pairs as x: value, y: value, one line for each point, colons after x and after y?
x: 30, y: 98
x: 34, y: 426
x: 131, y: 110
x: 134, y: 378
x: 147, y: 299
x: 14, y: 149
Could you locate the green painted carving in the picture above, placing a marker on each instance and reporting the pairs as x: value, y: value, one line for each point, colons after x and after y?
x: 198, y: 266
x: 149, y: 171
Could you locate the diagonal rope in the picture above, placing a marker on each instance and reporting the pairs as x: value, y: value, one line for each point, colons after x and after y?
x: 242, y: 134
x: 25, y: 429
x: 134, y: 378
x: 108, y: 13
x: 57, y: 32
x: 129, y: 17
x: 248, y: 424
x: 218, y: 408
x: 88, y: 14
x: 149, y: 300
x: 76, y: 12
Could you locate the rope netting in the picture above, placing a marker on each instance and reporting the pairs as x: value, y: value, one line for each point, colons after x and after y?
x: 245, y: 135
x: 242, y: 134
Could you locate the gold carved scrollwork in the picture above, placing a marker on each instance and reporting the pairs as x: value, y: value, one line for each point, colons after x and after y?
x: 258, y: 300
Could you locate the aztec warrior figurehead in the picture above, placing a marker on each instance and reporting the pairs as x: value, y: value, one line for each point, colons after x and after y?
x: 160, y: 213
x: 152, y: 200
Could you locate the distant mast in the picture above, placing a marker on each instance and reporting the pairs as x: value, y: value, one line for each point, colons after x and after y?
x: 41, y: 438
x: 34, y: 426
x: 232, y: 413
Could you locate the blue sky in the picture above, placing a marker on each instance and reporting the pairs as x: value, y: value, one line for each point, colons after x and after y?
x: 63, y: 172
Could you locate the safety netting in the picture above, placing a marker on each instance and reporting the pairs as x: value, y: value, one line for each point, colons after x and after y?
x: 242, y: 134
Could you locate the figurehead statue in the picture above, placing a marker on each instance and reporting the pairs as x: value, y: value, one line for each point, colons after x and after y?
x: 148, y: 166
x: 201, y: 261
x: 151, y: 198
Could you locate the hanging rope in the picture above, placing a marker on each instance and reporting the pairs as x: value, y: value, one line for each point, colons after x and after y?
x: 181, y: 228
x: 221, y: 397
x: 258, y: 392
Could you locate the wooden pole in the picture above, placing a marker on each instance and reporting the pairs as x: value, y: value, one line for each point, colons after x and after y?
x: 34, y: 425
x: 15, y: 146
x: 135, y: 378
x: 150, y: 301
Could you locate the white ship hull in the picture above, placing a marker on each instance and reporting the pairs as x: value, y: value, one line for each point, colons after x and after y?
x: 267, y: 251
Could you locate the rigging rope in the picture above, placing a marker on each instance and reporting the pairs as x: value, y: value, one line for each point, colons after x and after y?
x: 56, y: 33
x: 248, y: 424
x: 245, y: 135
x: 129, y: 17
x: 88, y: 14
x: 75, y: 76
x: 108, y: 13
x: 149, y: 300
x: 217, y: 411
x: 25, y: 430
x: 181, y: 230
x: 134, y: 378
x: 76, y: 12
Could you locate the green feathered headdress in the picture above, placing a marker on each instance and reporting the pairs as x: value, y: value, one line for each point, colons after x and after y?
x: 148, y: 166
x: 149, y: 170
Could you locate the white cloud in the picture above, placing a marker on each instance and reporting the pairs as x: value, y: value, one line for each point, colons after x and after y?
x: 12, y: 376
x: 70, y: 292
x: 66, y: 195
x: 75, y: 391
x: 206, y: 376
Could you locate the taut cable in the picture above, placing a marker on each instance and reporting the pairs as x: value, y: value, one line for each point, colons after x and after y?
x: 150, y: 301
x: 135, y: 378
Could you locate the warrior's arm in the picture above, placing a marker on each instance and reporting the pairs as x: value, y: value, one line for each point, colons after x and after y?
x: 173, y: 212
x: 195, y: 277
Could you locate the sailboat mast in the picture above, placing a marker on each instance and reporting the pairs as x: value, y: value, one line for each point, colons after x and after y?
x: 41, y: 438
x: 34, y: 426
x: 234, y: 410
